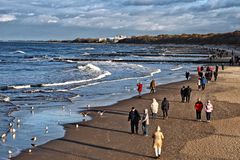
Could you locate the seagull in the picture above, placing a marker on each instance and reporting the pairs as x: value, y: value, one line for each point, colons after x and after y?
x: 12, y: 130
x: 46, y: 129
x: 9, y: 154
x: 29, y: 151
x: 10, y: 124
x: 32, y: 108
x: 101, y: 113
x: 34, y: 138
x: 4, y: 135
x: 18, y: 121
x: 88, y: 106
x: 33, y: 145
x: 14, y: 136
x: 84, y: 114
x: 76, y: 126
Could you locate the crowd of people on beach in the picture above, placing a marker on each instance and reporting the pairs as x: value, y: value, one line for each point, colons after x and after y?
x: 205, y: 74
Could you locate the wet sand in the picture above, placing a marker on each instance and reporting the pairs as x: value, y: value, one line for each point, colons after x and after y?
x: 108, y: 137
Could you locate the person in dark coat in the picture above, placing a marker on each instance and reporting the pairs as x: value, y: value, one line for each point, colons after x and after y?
x: 187, y: 75
x: 216, y: 68
x: 183, y: 95
x: 188, y: 91
x: 134, y: 118
x: 215, y: 75
x: 200, y: 74
x: 165, y: 107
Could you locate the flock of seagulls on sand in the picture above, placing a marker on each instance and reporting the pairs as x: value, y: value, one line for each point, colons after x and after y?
x: 12, y: 130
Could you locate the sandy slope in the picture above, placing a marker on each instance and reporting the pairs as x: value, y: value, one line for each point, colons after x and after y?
x: 108, y: 138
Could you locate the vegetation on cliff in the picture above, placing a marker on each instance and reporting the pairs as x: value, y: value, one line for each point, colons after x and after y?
x: 232, y: 38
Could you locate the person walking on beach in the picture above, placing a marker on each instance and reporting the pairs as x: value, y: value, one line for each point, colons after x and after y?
x: 203, y: 82
x: 188, y: 94
x: 198, y: 107
x: 187, y: 75
x: 145, y: 122
x: 215, y: 76
x: 154, y: 108
x: 157, y: 141
x: 134, y: 118
x: 216, y: 68
x: 165, y: 108
x: 152, y: 86
x: 183, y: 93
x: 222, y: 66
x: 199, y: 83
x: 208, y: 110
x: 140, y: 87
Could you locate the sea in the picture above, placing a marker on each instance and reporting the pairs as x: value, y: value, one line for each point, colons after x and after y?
x: 45, y: 85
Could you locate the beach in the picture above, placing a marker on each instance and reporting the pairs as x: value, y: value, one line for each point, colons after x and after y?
x: 108, y: 136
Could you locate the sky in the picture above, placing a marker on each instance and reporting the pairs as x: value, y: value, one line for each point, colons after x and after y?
x: 69, y: 19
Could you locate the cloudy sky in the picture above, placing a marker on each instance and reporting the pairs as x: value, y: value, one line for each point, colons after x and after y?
x: 68, y: 19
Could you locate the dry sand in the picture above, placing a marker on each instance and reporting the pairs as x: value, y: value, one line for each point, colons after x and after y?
x: 108, y: 137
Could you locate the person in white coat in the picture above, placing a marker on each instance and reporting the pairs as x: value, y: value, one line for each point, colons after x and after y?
x: 208, y: 109
x: 145, y: 122
x: 154, y: 108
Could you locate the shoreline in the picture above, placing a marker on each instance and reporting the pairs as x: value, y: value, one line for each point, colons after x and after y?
x: 76, y: 139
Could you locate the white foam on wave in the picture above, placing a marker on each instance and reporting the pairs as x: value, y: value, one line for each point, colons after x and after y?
x: 20, y: 87
x: 86, y: 54
x: 87, y: 48
x: 19, y: 51
x: 104, y: 74
x: 122, y: 79
x: 177, y: 68
x: 90, y: 67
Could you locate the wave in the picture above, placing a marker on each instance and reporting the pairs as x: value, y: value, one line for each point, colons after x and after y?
x: 19, y: 51
x: 87, y: 48
x: 122, y: 79
x: 86, y: 54
x: 90, y: 67
x: 20, y: 87
x: 4, y: 98
x: 176, y: 68
x: 104, y: 74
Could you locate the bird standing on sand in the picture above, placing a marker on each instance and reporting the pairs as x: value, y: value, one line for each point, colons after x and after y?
x: 76, y: 125
x: 33, y: 145
x: 84, y: 114
x: 101, y: 113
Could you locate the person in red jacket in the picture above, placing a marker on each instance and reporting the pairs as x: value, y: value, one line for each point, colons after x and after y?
x: 198, y: 106
x: 140, y: 86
